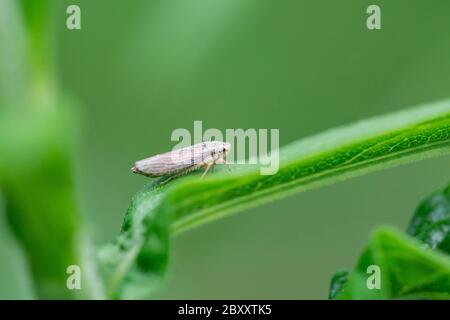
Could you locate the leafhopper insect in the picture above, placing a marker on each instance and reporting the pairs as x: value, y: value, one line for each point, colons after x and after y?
x: 184, y: 160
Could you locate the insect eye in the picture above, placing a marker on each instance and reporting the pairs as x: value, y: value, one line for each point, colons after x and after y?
x: 223, y: 150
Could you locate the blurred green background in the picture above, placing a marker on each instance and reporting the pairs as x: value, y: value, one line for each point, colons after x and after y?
x: 144, y: 68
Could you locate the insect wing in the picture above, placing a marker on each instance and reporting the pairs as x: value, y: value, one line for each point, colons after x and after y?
x: 174, y: 161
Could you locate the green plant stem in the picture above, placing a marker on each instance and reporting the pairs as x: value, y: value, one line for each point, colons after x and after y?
x: 37, y: 128
x: 39, y: 32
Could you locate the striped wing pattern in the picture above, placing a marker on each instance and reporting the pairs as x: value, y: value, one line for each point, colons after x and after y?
x: 179, y: 160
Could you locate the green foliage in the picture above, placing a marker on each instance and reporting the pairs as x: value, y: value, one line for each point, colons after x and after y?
x: 410, y: 269
x: 38, y: 19
x: 431, y: 222
x: 141, y: 250
x: 35, y: 176
x: 37, y: 128
x: 337, y: 283
x: 136, y: 261
x: 39, y: 196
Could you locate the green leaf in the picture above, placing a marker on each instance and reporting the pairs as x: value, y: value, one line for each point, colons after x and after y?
x: 40, y: 31
x: 36, y: 140
x: 36, y: 181
x: 27, y: 58
x: 408, y: 270
x: 335, y: 155
x: 13, y: 77
x: 430, y: 224
x: 431, y: 221
x: 135, y: 262
x: 337, y: 283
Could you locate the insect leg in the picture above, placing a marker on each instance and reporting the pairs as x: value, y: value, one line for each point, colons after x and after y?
x: 166, y: 179
x: 225, y: 163
x: 222, y: 161
x: 209, y: 165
